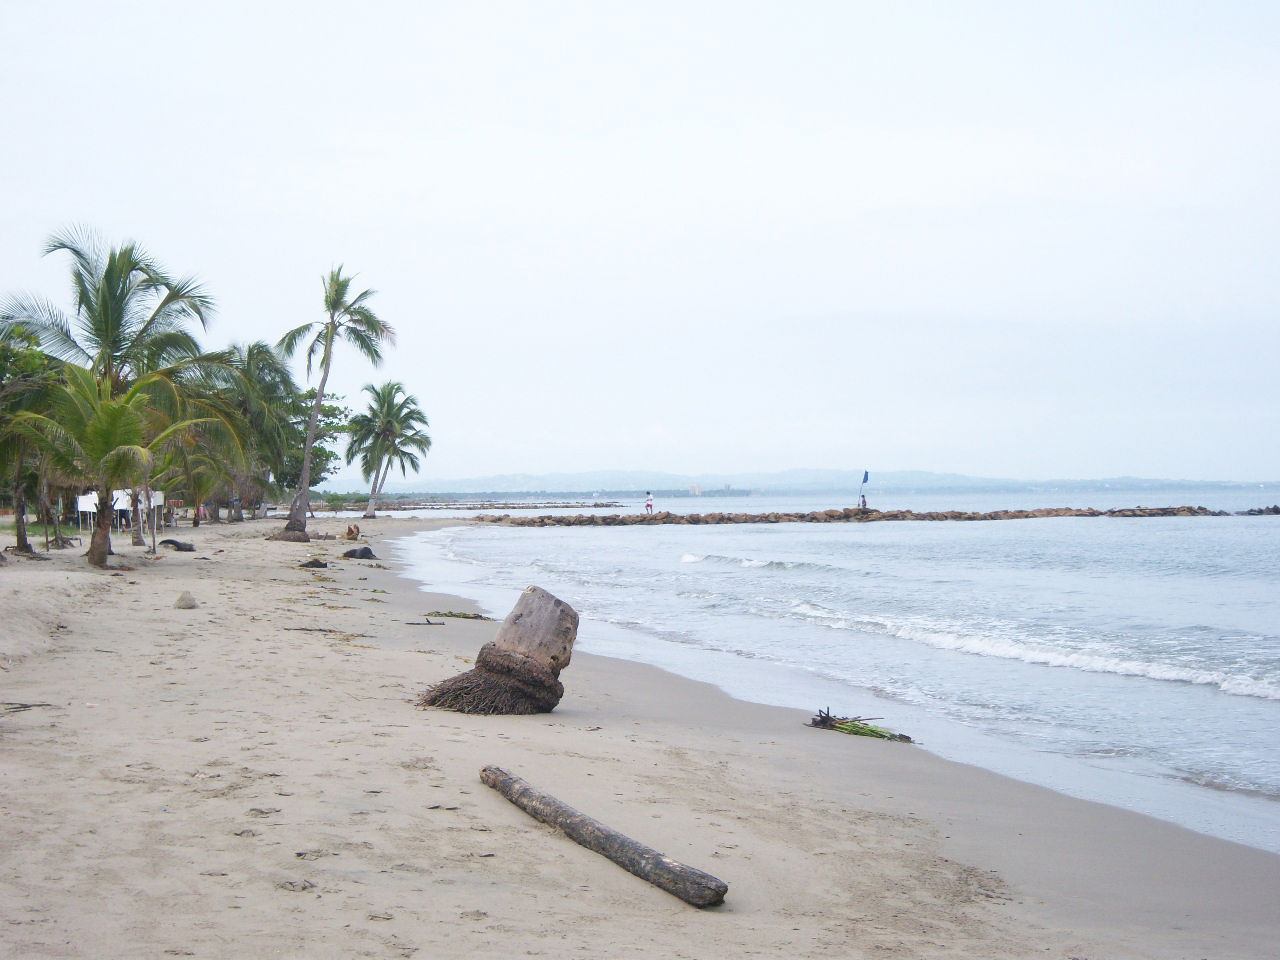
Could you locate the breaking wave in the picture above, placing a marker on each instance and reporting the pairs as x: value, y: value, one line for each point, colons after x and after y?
x: 1029, y: 652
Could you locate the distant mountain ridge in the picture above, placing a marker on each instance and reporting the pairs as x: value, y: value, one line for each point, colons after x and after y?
x: 784, y: 481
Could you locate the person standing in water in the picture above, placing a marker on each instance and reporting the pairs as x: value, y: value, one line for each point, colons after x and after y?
x: 648, y: 502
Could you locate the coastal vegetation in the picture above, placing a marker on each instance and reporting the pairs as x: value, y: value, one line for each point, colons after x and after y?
x: 116, y: 392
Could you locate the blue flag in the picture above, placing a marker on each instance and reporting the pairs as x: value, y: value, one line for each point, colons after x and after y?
x: 865, y: 476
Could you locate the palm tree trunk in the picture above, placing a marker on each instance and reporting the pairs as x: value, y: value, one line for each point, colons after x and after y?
x: 44, y: 511
x: 151, y: 517
x: 379, y: 479
x: 302, y: 499
x: 235, y: 506
x: 193, y: 491
x: 135, y: 517
x: 55, y: 514
x: 100, y: 542
x: 23, y: 545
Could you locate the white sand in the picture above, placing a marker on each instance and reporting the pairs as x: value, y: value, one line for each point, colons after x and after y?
x: 250, y: 779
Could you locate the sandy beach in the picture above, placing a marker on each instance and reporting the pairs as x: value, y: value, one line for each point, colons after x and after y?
x: 251, y: 778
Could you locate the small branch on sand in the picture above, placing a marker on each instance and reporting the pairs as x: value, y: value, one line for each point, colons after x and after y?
x: 16, y: 707
x: 688, y: 883
x: 341, y: 633
x: 857, y: 726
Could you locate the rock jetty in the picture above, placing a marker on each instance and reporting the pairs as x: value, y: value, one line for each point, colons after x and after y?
x: 845, y: 515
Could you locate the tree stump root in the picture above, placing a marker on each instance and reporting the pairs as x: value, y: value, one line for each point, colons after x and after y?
x: 503, y: 682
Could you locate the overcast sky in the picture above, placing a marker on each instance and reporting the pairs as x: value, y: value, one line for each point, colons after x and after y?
x: 1004, y: 239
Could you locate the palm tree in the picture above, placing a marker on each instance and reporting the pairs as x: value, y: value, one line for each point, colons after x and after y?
x: 130, y: 321
x: 26, y: 375
x: 16, y: 453
x: 131, y: 318
x: 106, y: 442
x: 350, y: 319
x: 263, y: 391
x: 387, y: 434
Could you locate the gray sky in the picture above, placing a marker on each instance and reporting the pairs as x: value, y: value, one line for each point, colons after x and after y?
x: 1004, y: 239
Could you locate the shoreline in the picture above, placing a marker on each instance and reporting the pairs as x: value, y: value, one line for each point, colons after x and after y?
x: 127, y: 798
x: 1236, y: 815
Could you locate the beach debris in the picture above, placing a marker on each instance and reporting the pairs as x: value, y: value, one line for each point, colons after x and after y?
x: 179, y: 545
x: 19, y: 707
x: 857, y: 726
x: 690, y: 884
x: 186, y: 601
x: 341, y: 633
x: 360, y: 553
x: 314, y: 854
x: 314, y: 564
x: 353, y: 532
x: 296, y: 886
x: 291, y: 536
x: 455, y: 614
x: 517, y: 672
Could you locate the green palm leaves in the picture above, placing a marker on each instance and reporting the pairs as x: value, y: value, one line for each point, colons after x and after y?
x: 390, y: 433
x: 348, y: 318
x: 130, y: 317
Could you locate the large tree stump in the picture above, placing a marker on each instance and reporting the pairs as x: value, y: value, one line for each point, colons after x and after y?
x: 518, y: 670
x: 679, y: 879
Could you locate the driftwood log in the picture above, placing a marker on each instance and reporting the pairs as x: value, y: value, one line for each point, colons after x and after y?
x: 688, y: 883
x: 518, y: 671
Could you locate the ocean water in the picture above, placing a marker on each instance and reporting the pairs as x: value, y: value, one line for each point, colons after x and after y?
x: 1131, y: 661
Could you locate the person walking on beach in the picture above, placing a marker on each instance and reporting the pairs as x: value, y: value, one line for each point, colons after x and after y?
x: 648, y: 502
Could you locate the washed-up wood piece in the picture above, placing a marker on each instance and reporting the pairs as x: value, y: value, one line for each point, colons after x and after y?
x: 688, y: 883
x: 518, y: 671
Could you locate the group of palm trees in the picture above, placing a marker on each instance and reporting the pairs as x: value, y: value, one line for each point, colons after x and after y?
x: 119, y: 394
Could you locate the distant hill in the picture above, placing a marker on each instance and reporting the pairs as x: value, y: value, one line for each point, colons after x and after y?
x: 784, y: 481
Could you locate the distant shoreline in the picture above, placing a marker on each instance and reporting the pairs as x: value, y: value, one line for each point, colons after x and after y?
x: 853, y: 515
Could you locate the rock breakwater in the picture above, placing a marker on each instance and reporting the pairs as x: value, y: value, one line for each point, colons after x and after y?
x: 845, y: 515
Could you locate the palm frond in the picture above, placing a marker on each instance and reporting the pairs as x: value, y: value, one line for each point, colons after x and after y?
x: 365, y: 343
x: 46, y: 322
